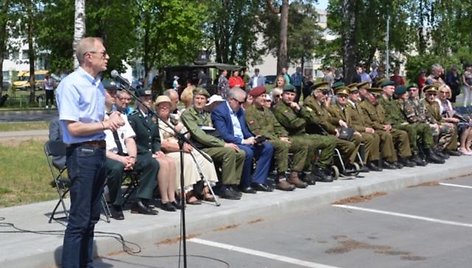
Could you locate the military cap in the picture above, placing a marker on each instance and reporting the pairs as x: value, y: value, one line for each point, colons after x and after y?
x: 386, y: 82
x: 337, y: 85
x: 342, y: 91
x: 162, y: 98
x: 412, y: 85
x: 375, y: 90
x: 323, y: 86
x: 430, y: 89
x: 257, y: 91
x: 365, y: 85
x: 201, y: 91
x: 353, y: 87
x: 141, y: 92
x: 289, y: 87
x: 399, y: 90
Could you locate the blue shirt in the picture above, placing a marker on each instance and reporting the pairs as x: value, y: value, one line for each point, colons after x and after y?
x: 80, y: 98
x: 238, y: 132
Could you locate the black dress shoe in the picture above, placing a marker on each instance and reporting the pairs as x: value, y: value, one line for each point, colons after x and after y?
x: 388, y: 165
x: 167, y: 206
x: 235, y: 190
x: 176, y: 205
x: 117, y: 212
x: 227, y: 193
x: 248, y: 190
x: 140, y: 208
x: 453, y: 153
x: 371, y: 166
x: 261, y: 187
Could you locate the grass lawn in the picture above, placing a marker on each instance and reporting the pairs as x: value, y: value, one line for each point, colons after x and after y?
x: 19, y: 126
x: 24, y: 173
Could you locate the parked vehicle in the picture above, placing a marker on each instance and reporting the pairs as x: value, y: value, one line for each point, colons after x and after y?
x: 23, y: 83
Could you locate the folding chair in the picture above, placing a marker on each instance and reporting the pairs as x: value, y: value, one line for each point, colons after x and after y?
x: 54, y: 151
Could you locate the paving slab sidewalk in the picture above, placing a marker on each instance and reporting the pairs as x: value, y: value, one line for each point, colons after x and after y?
x: 43, y: 249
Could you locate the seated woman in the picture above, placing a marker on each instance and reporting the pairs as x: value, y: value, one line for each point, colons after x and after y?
x: 194, y: 162
x: 451, y: 116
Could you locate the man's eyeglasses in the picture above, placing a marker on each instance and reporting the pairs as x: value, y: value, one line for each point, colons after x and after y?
x: 125, y: 99
x: 104, y: 53
x: 443, y: 92
x: 278, y: 96
x: 240, y: 102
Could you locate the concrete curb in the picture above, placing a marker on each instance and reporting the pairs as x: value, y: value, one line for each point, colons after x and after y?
x: 30, y: 250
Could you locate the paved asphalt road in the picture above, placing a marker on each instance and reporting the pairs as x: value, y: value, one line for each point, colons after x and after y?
x: 425, y: 226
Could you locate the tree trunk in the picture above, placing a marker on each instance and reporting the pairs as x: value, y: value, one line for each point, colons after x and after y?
x: 282, y: 53
x: 31, y: 51
x: 79, y: 27
x: 3, y: 38
x: 349, y: 40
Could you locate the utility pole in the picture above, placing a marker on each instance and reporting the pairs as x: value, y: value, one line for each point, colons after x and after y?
x: 387, y: 52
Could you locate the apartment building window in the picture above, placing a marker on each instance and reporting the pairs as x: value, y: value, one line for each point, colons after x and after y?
x: 25, y: 54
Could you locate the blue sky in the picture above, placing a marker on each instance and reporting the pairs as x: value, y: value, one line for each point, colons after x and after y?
x: 322, y: 4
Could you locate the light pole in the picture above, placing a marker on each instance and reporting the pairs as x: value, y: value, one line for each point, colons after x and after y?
x: 387, y: 52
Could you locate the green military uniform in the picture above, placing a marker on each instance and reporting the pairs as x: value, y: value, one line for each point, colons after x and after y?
x: 321, y: 122
x: 371, y: 140
x: 230, y: 161
x: 148, y: 142
x: 294, y: 122
x: 263, y: 122
x: 374, y: 115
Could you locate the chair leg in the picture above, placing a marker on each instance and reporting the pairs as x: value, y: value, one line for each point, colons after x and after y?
x: 60, y: 201
x: 106, y: 209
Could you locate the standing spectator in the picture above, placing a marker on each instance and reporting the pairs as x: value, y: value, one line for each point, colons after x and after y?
x: 397, y: 78
x: 421, y: 81
x: 223, y: 84
x: 467, y: 80
x: 364, y: 77
x: 297, y: 82
x: 49, y: 85
x: 328, y: 77
x: 257, y: 80
x: 437, y: 72
x: 287, y: 77
x: 245, y: 76
x: 235, y: 80
x: 338, y: 76
x: 175, y: 84
x: 373, y: 74
x: 203, y: 79
x: 453, y: 80
x: 81, y: 104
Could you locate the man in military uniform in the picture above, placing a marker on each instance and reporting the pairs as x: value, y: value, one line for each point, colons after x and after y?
x: 414, y: 113
x: 375, y: 117
x: 197, y: 120
x: 370, y: 138
x: 262, y: 122
x: 398, y: 121
x: 321, y: 122
x: 446, y: 132
x: 293, y: 118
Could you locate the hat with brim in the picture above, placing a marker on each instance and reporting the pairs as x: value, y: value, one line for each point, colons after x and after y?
x: 342, y: 91
x: 412, y: 85
x: 162, y: 99
x: 257, y: 91
x: 353, y: 88
x: 201, y: 91
x: 430, y: 89
x: 289, y: 88
x: 337, y: 85
x: 214, y: 99
x: 375, y: 90
x: 365, y: 85
x: 323, y: 86
x: 143, y: 92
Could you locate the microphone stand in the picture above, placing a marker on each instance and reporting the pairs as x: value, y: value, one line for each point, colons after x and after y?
x: 181, y: 141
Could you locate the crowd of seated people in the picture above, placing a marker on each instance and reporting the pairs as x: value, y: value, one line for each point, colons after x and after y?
x: 240, y: 140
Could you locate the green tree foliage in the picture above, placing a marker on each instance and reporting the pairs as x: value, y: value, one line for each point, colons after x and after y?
x: 304, y: 34
x: 168, y: 31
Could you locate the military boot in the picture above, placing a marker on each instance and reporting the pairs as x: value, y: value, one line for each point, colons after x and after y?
x: 295, y: 180
x: 433, y: 158
x: 418, y: 160
x: 282, y: 183
x: 406, y: 163
x: 308, y: 177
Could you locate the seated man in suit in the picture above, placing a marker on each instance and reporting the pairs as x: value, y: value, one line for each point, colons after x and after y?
x: 230, y: 120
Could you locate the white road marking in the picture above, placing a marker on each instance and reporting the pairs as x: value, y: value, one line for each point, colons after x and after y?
x: 455, y: 185
x: 405, y: 216
x: 260, y: 253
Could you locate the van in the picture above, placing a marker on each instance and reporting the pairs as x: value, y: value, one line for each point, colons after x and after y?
x: 23, y: 83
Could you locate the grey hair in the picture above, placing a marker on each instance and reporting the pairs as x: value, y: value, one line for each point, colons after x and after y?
x: 85, y: 45
x: 436, y: 66
x: 235, y: 92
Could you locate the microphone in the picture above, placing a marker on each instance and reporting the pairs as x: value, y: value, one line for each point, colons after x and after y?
x: 123, y: 81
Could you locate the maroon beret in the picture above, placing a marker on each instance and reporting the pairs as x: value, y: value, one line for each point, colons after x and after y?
x: 257, y: 91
